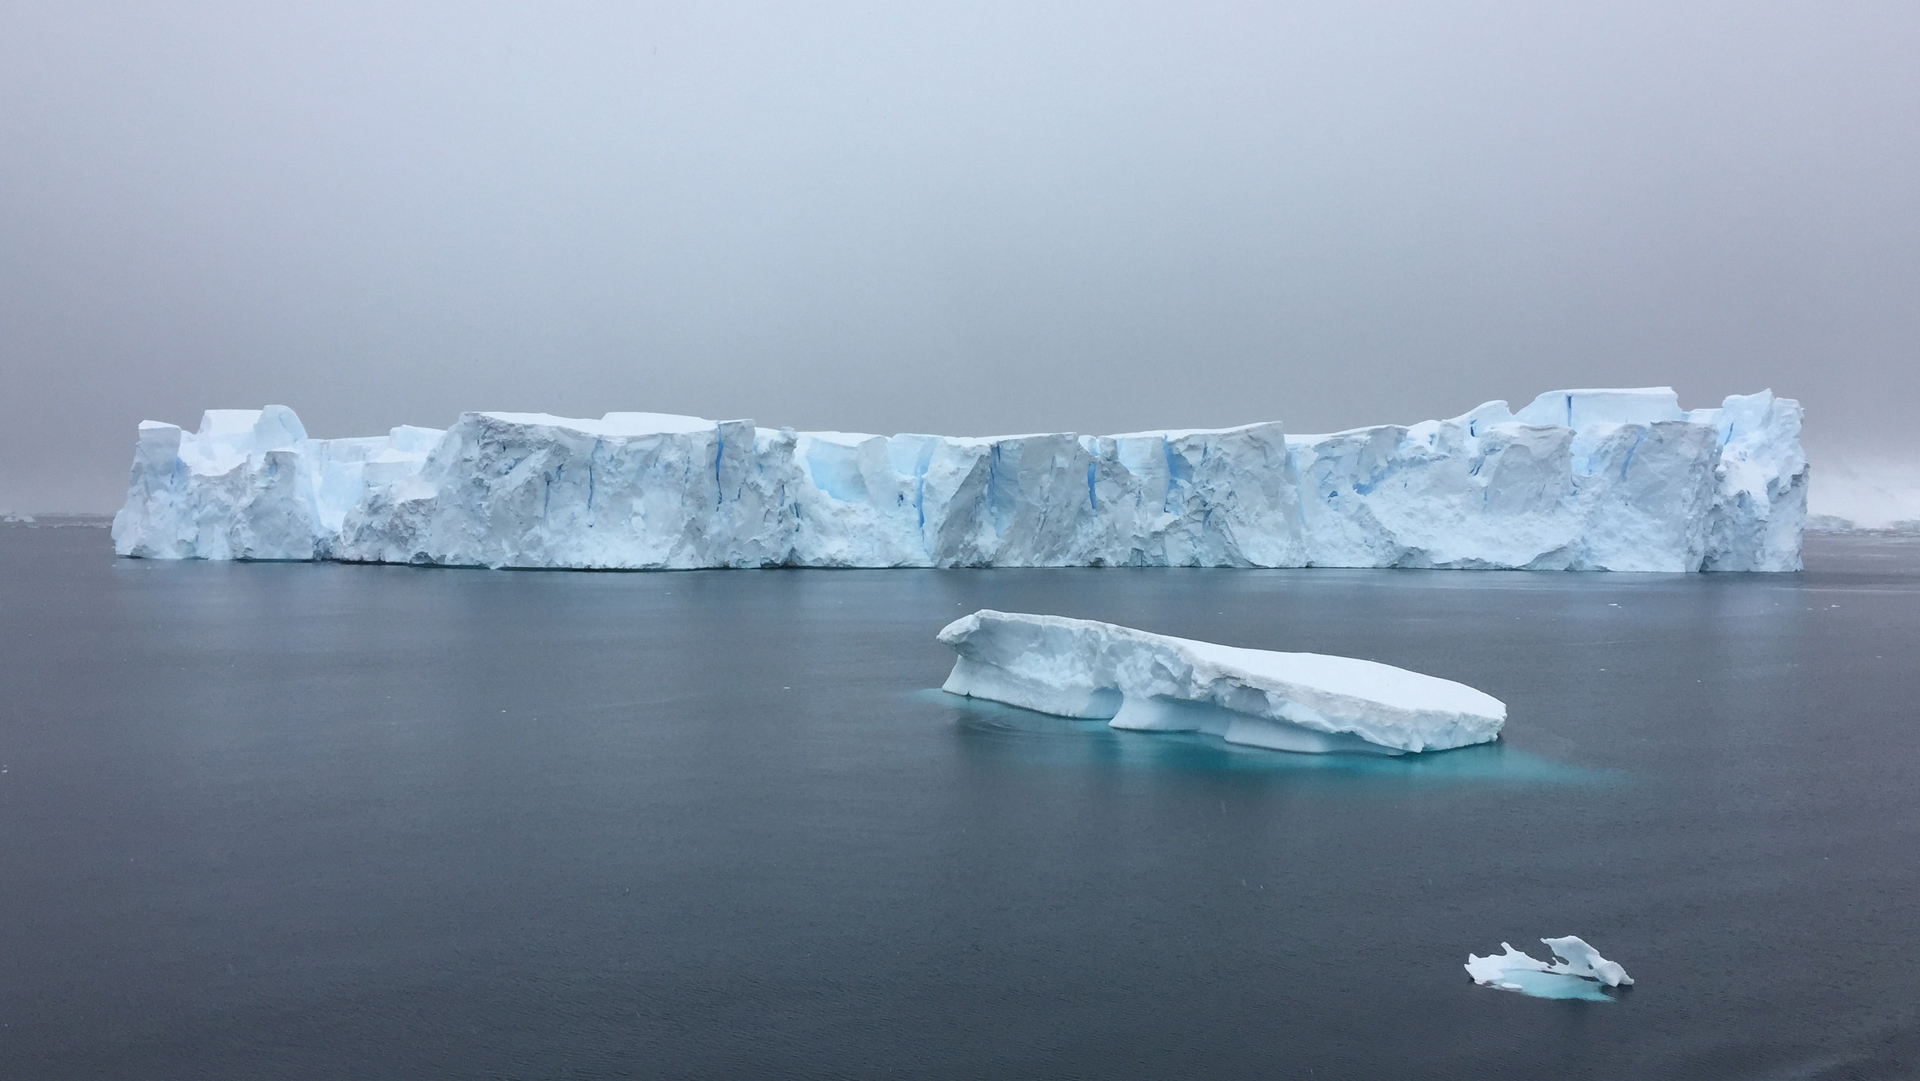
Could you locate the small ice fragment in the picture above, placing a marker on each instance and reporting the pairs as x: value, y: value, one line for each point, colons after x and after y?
x: 1575, y: 958
x: 1497, y: 970
x: 1576, y: 971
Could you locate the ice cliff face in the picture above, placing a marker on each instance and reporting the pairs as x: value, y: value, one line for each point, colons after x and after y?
x: 251, y: 485
x: 1620, y: 480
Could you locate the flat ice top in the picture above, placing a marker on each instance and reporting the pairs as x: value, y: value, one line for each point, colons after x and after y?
x: 1285, y: 701
x: 1182, y: 433
x: 632, y: 424
x: 1352, y: 676
x: 228, y: 421
x: 844, y: 439
x: 1595, y: 401
x: 613, y: 424
x: 856, y: 438
x: 1624, y: 392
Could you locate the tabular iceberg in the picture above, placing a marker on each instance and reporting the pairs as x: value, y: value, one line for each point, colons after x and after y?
x: 1579, y: 480
x: 1150, y: 682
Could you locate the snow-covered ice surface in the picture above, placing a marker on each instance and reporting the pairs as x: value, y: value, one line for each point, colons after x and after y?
x: 1577, y: 971
x: 1577, y: 480
x: 1135, y: 680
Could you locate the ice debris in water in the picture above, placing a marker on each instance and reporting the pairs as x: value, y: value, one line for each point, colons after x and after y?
x: 1577, y: 971
x: 1577, y: 480
x: 1151, y: 682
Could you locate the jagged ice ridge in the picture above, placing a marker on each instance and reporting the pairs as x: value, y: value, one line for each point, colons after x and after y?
x: 1577, y: 480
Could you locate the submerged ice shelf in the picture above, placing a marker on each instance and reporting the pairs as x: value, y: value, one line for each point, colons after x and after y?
x: 1577, y: 480
x: 1132, y: 679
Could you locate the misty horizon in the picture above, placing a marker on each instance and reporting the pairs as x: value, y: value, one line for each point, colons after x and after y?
x: 963, y: 221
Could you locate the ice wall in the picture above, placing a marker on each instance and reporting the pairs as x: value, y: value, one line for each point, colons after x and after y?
x: 1599, y: 480
x: 251, y: 485
x: 1578, y: 480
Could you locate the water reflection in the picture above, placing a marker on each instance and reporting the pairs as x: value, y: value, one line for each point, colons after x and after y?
x: 1043, y: 738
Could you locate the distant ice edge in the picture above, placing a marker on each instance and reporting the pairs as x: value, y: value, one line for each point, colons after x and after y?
x: 1137, y: 680
x: 1579, y: 480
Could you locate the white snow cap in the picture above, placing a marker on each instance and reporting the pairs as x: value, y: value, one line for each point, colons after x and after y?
x: 1578, y: 480
x: 1150, y: 682
x: 1508, y: 969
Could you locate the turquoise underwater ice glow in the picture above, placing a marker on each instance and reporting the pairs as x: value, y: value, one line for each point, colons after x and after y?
x: 1577, y: 971
x: 1043, y: 739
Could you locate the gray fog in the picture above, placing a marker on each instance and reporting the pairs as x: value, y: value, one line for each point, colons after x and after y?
x: 969, y: 219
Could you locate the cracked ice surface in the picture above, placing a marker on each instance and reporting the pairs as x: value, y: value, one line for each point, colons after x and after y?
x: 1132, y: 679
x: 1581, y: 480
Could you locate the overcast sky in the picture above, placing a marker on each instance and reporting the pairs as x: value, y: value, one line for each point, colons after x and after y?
x: 967, y: 219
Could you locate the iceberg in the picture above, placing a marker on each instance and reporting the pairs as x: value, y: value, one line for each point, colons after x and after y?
x: 1577, y: 480
x: 250, y: 484
x: 1132, y: 679
x: 1577, y: 971
x: 1620, y: 480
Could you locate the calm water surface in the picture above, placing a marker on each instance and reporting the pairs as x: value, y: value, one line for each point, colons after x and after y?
x: 293, y: 821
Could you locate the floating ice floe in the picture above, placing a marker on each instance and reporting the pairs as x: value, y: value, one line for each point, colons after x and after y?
x: 1577, y: 971
x: 1577, y: 480
x: 1154, y: 683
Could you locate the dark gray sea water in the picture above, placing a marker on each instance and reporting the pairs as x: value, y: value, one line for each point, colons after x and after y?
x: 306, y: 821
